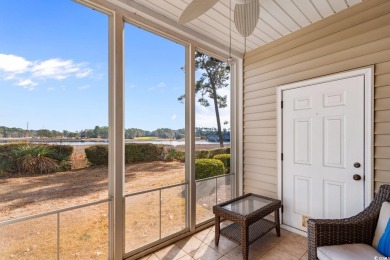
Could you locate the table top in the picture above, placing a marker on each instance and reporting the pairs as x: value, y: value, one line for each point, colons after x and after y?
x: 247, y: 205
x: 252, y: 205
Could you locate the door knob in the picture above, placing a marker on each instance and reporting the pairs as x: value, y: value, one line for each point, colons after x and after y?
x: 357, y: 177
x: 356, y: 165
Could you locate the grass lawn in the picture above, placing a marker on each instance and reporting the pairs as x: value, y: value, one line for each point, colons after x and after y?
x: 145, y: 138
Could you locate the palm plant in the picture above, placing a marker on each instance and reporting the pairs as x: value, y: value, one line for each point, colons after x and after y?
x: 35, y: 159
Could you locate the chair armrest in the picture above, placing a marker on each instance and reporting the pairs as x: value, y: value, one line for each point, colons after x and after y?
x: 357, y: 229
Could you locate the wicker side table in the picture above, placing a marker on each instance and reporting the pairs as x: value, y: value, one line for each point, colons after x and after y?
x: 247, y: 214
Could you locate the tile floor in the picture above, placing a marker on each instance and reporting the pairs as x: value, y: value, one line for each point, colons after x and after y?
x: 201, y: 246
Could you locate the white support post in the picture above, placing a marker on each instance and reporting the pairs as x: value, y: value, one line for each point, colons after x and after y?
x: 239, y: 134
x: 190, y: 135
x: 116, y: 144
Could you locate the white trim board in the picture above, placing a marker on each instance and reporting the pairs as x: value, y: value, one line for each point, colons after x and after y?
x: 294, y: 230
x: 368, y: 74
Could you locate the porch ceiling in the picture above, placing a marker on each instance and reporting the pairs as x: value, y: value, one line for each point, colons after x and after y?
x: 277, y: 18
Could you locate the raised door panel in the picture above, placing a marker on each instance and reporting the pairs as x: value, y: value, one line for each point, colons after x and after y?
x: 334, y: 141
x: 302, y: 141
x: 302, y: 103
x: 333, y: 99
x: 334, y: 200
x: 302, y: 195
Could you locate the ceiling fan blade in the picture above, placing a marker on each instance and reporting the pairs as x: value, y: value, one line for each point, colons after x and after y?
x: 246, y: 17
x: 195, y: 9
x: 241, y: 1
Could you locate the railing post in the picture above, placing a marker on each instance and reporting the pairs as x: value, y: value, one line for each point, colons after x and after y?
x: 216, y: 190
x: 160, y: 211
x: 58, y: 235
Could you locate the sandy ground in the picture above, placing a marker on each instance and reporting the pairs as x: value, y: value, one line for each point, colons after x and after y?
x: 84, y: 232
x: 26, y: 195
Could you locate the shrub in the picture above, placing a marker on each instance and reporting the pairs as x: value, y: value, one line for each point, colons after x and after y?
x: 35, y: 159
x: 17, y: 157
x: 225, y: 159
x: 4, y: 166
x: 214, y: 152
x: 7, y: 148
x: 7, y: 158
x: 97, y: 154
x: 62, y: 153
x: 144, y: 153
x: 180, y: 156
x: 170, y: 155
x: 202, y: 154
x: 205, y: 168
x: 173, y: 155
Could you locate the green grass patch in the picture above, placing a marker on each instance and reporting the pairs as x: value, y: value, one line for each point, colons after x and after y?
x: 145, y: 138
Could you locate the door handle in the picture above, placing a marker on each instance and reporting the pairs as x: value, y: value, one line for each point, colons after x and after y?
x: 357, y: 177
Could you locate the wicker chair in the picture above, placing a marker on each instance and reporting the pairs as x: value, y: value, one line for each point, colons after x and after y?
x: 356, y: 229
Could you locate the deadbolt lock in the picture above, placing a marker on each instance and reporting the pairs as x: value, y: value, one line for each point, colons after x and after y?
x: 356, y: 165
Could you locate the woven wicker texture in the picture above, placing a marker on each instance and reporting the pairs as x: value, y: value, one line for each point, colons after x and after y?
x: 357, y: 229
x: 257, y: 230
x: 249, y: 227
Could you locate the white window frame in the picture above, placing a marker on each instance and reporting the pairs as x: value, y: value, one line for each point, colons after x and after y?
x: 117, y: 18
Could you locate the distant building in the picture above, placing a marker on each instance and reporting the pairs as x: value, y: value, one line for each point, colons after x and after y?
x: 215, y: 138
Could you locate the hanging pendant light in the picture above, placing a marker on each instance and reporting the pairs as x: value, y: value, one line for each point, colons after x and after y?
x: 246, y: 17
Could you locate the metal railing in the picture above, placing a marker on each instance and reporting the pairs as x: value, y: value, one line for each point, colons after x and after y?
x: 57, y: 213
x: 160, y: 190
x: 216, y: 190
x: 160, y: 198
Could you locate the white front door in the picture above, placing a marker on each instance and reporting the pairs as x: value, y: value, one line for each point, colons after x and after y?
x: 323, y: 151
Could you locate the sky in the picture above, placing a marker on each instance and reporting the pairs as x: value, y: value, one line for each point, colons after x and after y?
x: 54, y: 71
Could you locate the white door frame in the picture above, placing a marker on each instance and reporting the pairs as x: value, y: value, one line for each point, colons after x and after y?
x: 368, y: 73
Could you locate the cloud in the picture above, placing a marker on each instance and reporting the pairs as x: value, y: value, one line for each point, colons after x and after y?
x: 28, y: 74
x: 50, y: 89
x: 84, y: 87
x: 13, y: 64
x: 26, y: 83
x: 173, y: 117
x: 161, y: 85
x: 59, y: 69
x: 84, y: 73
x: 158, y: 86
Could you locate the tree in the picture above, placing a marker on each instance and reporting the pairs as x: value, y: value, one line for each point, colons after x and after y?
x: 215, y: 75
x: 131, y: 133
x: 45, y: 133
x: 104, y: 132
x: 164, y: 133
x: 96, y: 132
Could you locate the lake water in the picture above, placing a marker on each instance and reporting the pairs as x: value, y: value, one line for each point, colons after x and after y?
x: 173, y: 143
